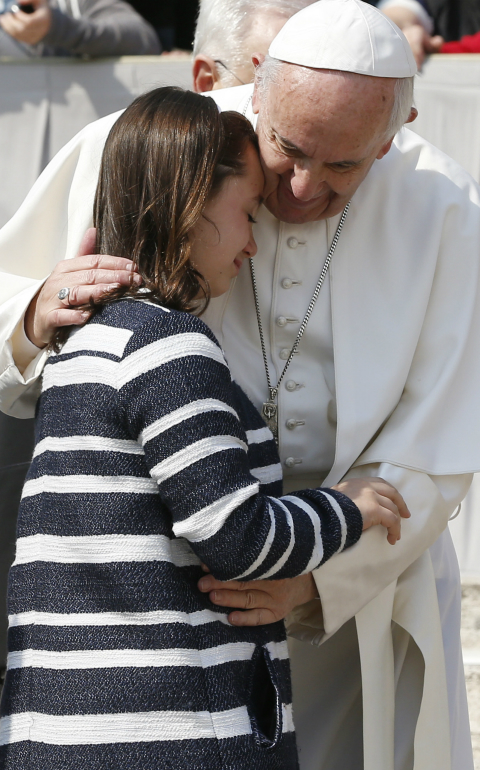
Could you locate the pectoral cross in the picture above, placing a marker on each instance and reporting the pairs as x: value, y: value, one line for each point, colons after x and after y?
x: 270, y: 413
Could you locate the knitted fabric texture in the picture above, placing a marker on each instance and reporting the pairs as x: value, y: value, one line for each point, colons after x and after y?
x: 148, y: 461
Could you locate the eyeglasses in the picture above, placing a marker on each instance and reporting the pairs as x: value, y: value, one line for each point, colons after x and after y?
x: 218, y: 61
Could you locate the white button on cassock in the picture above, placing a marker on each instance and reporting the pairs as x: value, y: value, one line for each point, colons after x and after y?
x: 283, y: 320
x: 292, y: 242
x: 284, y: 353
x: 287, y: 283
x: 291, y: 461
x: 291, y: 385
x: 292, y: 424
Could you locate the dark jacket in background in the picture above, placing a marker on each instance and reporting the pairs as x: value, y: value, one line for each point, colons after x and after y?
x: 454, y: 18
x: 16, y: 449
x: 89, y: 28
x: 174, y: 20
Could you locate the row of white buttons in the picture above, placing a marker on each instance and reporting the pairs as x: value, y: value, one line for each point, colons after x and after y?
x: 290, y: 385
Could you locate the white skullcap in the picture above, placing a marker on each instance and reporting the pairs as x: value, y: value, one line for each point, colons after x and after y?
x: 345, y: 35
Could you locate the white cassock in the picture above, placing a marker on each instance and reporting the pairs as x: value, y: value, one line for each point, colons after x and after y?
x: 385, y: 383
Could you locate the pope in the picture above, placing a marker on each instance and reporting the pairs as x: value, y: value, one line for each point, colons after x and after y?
x: 382, y: 377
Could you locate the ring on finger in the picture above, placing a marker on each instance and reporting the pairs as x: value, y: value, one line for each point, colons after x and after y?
x: 63, y: 293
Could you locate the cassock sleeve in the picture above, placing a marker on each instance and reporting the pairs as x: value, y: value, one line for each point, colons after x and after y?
x: 47, y: 228
x: 349, y: 581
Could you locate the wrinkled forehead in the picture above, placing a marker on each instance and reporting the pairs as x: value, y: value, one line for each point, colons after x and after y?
x: 315, y: 97
x: 296, y: 80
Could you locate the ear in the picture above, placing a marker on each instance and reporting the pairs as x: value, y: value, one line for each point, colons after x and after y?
x: 257, y: 59
x: 386, y: 148
x: 413, y: 115
x: 204, y: 72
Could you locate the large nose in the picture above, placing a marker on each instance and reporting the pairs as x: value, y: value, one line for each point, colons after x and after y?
x: 306, y: 183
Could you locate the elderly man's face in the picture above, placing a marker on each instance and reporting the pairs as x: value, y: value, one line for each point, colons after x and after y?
x: 319, y: 135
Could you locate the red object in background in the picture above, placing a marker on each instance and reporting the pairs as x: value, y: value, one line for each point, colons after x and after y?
x: 466, y: 44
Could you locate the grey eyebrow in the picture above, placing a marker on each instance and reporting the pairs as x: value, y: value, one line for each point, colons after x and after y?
x: 347, y: 163
x: 344, y: 163
x: 289, y: 144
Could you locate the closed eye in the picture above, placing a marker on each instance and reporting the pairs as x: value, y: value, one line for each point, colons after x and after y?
x: 347, y: 166
x: 290, y: 151
x: 286, y: 149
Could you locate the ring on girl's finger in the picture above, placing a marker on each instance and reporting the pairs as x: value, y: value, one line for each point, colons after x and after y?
x: 63, y: 293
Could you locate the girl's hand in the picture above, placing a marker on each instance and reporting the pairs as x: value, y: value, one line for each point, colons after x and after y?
x: 378, y: 502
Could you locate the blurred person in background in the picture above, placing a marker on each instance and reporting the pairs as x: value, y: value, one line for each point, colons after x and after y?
x: 74, y: 28
x: 436, y: 26
x: 228, y: 33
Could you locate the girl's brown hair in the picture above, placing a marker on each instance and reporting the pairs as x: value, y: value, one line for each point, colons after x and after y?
x: 164, y: 158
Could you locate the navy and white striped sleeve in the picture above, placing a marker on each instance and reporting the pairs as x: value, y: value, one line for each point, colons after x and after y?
x: 177, y: 399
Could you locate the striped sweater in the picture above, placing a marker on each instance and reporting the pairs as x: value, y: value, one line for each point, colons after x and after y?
x: 148, y: 461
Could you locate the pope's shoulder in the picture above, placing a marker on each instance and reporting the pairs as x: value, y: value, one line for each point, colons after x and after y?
x: 412, y: 154
x: 149, y: 321
x: 226, y: 98
x: 235, y: 98
x: 99, y: 129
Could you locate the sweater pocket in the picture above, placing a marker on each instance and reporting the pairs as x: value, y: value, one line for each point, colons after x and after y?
x: 264, y: 700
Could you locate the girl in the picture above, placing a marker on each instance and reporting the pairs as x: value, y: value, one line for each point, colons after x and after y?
x: 148, y: 461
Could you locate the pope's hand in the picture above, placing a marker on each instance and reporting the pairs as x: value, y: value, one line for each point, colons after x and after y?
x: 262, y: 601
x: 87, y: 275
x: 379, y: 503
x: 28, y: 28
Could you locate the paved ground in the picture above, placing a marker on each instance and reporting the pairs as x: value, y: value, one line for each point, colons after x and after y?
x: 471, y: 657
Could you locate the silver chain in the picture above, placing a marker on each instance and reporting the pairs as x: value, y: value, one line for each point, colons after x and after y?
x: 273, y: 391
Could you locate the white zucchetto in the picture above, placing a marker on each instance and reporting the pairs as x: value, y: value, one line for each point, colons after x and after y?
x: 346, y: 35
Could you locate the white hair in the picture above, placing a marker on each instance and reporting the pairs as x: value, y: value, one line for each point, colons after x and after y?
x: 269, y: 72
x: 402, y: 106
x: 224, y: 26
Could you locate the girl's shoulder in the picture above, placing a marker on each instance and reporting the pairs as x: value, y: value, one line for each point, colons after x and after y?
x: 149, y: 322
